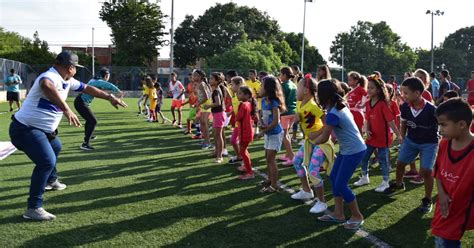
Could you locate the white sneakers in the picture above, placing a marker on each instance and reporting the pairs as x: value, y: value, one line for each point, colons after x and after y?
x: 302, y: 195
x: 56, y: 185
x: 318, y: 207
x: 382, y: 187
x: 363, y: 180
x: 38, y: 214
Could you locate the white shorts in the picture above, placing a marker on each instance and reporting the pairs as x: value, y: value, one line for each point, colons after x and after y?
x: 227, y: 120
x: 273, y: 141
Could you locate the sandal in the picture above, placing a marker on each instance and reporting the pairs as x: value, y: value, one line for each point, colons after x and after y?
x: 330, y: 218
x: 353, y: 224
x: 269, y: 190
x: 264, y: 183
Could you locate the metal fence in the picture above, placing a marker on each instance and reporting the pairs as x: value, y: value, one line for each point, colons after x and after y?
x: 128, y: 77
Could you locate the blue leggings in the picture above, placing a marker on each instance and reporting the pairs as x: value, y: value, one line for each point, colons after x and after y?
x: 341, y: 173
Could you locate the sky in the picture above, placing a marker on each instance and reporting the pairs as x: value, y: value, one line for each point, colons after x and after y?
x: 70, y: 22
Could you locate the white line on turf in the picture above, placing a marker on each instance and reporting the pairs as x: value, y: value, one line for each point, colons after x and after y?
x: 360, y: 232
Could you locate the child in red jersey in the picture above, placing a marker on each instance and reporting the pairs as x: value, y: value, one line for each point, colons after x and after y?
x: 244, y: 123
x: 454, y: 173
x: 379, y: 121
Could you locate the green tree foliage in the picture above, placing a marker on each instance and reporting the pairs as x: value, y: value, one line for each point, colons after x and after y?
x: 18, y: 48
x: 461, y: 45
x: 370, y: 47
x: 456, y: 54
x: 247, y: 55
x: 137, y: 30
x: 185, y: 51
x: 10, y: 42
x: 219, y: 29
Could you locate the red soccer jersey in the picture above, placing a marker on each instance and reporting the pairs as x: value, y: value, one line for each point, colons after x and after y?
x: 455, y: 170
x: 470, y: 87
x: 378, y: 117
x: 396, y: 112
x: 228, y: 104
x: 245, y: 122
x: 427, y: 96
x: 355, y: 96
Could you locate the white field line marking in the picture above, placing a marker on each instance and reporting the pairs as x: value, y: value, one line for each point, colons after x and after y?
x: 360, y: 232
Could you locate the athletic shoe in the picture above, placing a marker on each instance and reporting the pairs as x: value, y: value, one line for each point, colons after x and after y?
x: 225, y: 153
x: 363, y: 180
x: 318, y: 207
x: 417, y: 180
x: 426, y: 205
x: 11, y: 109
x: 394, y: 189
x: 241, y: 168
x: 246, y: 176
x: 38, y: 214
x: 173, y: 123
x: 180, y: 126
x: 93, y: 137
x: 86, y: 147
x: 219, y: 160
x: 56, y: 185
x: 187, y: 132
x: 235, y: 160
x: 410, y: 174
x: 302, y: 195
x: 382, y: 187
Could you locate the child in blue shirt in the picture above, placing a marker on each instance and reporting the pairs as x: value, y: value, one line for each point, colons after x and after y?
x: 351, y: 151
x: 273, y: 103
x: 419, y: 124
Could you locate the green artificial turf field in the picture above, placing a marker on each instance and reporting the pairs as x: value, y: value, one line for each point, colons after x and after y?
x: 147, y: 184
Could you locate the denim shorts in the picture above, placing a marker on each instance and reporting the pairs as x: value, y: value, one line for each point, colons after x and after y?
x: 409, y: 150
x: 446, y: 243
x: 273, y: 141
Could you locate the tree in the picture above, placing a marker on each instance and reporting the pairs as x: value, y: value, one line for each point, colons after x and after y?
x: 460, y: 45
x: 247, y: 55
x: 312, y: 57
x: 137, y: 30
x: 25, y: 50
x: 185, y: 51
x: 10, y: 42
x: 369, y: 47
x: 219, y: 29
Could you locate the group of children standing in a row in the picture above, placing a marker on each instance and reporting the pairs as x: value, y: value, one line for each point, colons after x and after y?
x: 269, y: 107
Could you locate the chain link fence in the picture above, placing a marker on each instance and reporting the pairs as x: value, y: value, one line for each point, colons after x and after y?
x: 128, y: 77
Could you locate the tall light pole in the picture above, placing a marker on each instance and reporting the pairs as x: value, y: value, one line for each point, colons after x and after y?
x: 302, y: 40
x: 433, y: 13
x: 342, y: 71
x: 93, y: 62
x: 172, y: 38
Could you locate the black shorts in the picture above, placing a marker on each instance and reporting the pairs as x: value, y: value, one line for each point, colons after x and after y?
x: 13, y: 96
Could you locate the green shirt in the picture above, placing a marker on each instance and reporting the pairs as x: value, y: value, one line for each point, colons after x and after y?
x: 289, y: 90
x: 101, y: 84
